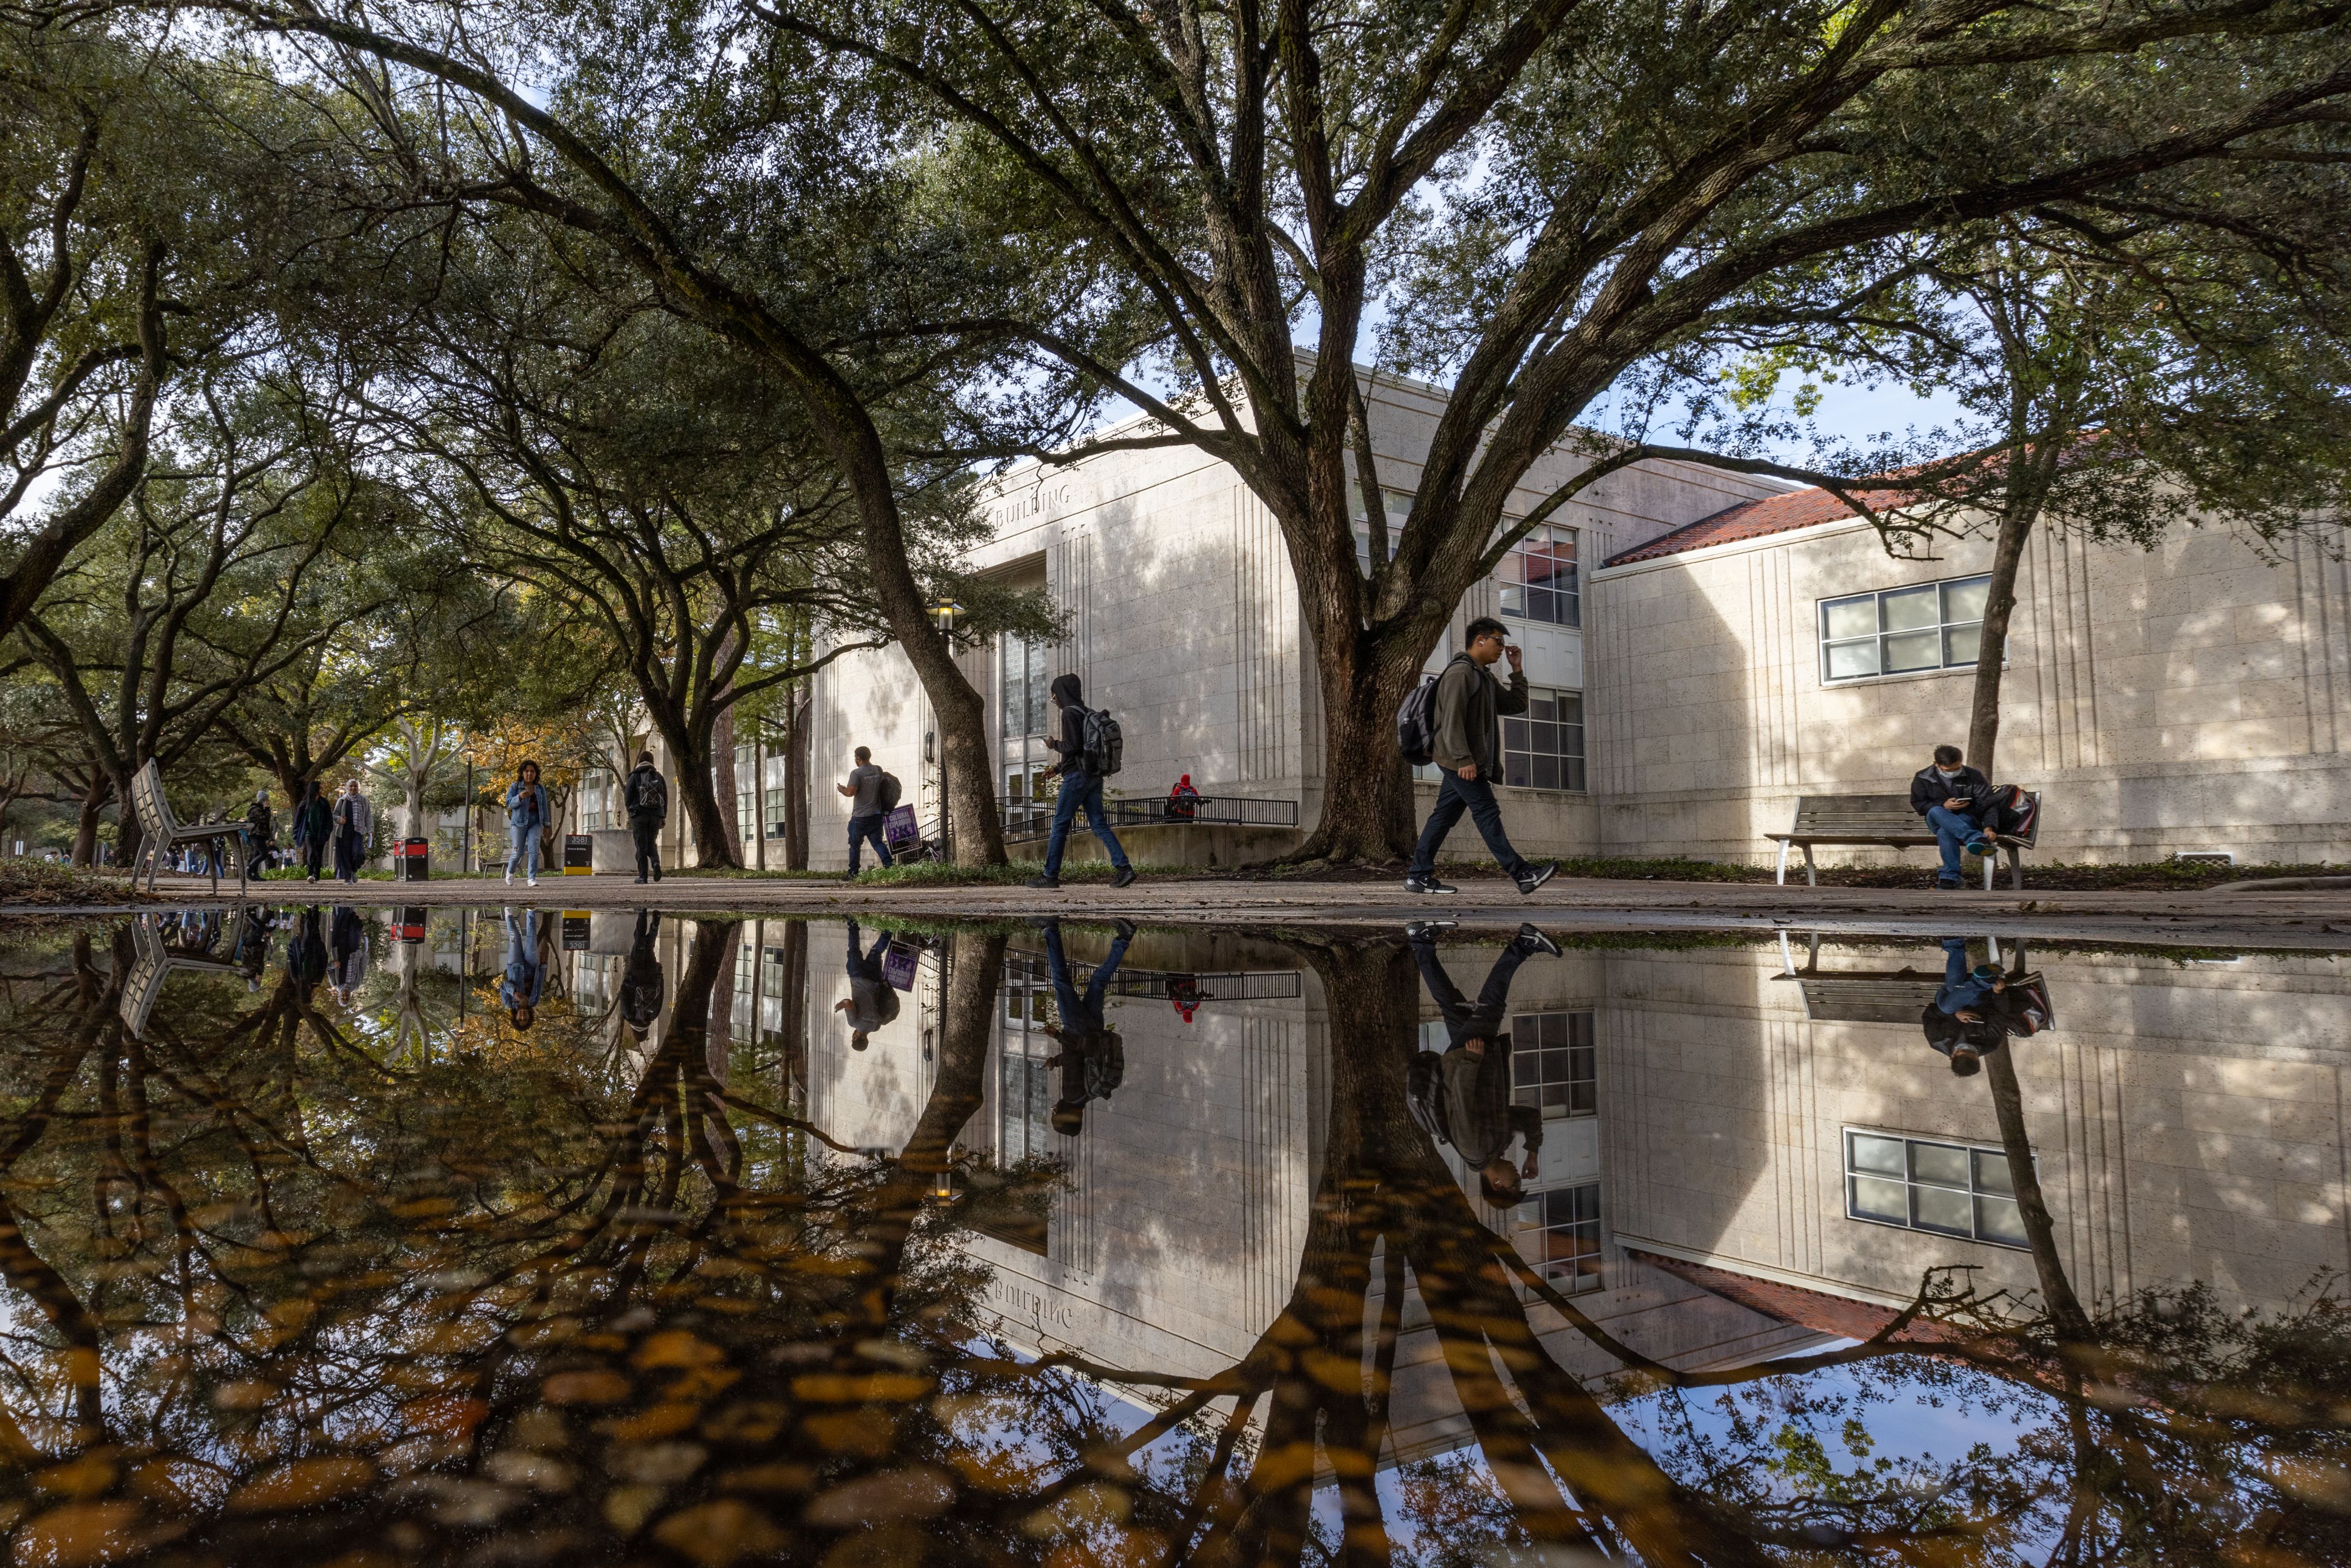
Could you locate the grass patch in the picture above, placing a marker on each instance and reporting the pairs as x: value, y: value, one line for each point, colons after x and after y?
x: 26, y: 881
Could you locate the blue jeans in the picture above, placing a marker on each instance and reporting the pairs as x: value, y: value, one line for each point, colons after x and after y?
x: 522, y: 845
x: 1455, y: 794
x: 1953, y: 833
x: 1081, y: 789
x: 1960, y: 989
x: 861, y: 829
x: 1080, y: 1012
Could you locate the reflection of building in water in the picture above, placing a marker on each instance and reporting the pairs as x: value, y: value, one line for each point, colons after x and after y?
x: 2186, y: 1122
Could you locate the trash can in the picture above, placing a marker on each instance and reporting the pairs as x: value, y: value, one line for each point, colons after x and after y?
x: 412, y: 860
x: 407, y: 925
x: 579, y: 855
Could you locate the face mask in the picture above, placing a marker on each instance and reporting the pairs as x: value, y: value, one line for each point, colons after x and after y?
x: 1949, y: 772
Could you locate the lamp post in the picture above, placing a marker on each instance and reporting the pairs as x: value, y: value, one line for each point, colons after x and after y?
x: 943, y: 612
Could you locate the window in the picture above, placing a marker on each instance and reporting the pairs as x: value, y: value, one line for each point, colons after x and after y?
x: 1950, y: 1189
x: 1543, y: 748
x: 1553, y: 1066
x: 779, y: 811
x: 1024, y: 1098
x: 1932, y: 626
x: 1023, y: 694
x: 1539, y: 581
x: 1558, y: 1232
x: 1399, y: 508
x: 747, y: 793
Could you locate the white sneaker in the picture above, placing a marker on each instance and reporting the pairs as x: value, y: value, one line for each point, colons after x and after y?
x: 509, y: 879
x: 530, y: 882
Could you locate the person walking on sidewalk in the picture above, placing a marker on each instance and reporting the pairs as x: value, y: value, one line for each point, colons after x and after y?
x: 1468, y: 712
x: 526, y: 821
x: 865, y: 809
x: 1081, y: 786
x: 646, y: 795
x: 1955, y: 800
x: 260, y: 835
x: 872, y: 1000
x: 354, y: 831
x: 313, y: 826
x: 1477, y: 1114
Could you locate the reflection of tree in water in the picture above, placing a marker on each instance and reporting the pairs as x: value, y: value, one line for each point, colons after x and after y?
x: 284, y: 1297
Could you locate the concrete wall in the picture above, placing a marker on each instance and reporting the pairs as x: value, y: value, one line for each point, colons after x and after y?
x: 2193, y: 697
x: 2187, y: 1121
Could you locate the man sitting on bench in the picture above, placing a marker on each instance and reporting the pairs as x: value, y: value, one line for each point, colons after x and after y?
x: 1955, y: 800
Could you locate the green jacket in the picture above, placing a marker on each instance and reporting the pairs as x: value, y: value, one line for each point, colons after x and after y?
x: 1468, y: 711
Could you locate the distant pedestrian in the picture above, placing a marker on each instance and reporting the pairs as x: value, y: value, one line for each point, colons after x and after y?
x: 872, y: 1000
x: 305, y: 954
x: 525, y: 973
x: 865, y: 788
x: 313, y: 827
x: 1183, y: 801
x: 348, y: 940
x: 526, y: 818
x: 1466, y: 716
x: 1092, y: 1058
x: 1081, y: 786
x: 354, y: 830
x: 1957, y: 801
x: 260, y: 833
x: 647, y: 796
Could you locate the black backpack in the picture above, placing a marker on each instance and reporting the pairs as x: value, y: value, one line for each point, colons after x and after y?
x: 648, y: 796
x: 1106, y: 745
x: 1416, y: 721
x: 886, y: 793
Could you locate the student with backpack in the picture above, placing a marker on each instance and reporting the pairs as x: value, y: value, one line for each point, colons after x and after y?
x: 646, y: 795
x: 1092, y: 748
x: 1092, y: 1058
x: 1457, y: 723
x: 871, y: 796
x: 1463, y: 1097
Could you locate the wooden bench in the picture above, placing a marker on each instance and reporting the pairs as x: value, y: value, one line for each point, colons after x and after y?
x: 160, y: 831
x: 1882, y: 996
x: 1883, y: 822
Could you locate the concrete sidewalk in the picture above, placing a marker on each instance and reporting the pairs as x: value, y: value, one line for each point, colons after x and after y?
x: 2303, y: 919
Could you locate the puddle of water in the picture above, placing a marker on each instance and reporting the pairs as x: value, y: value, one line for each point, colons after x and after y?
x: 375, y: 1236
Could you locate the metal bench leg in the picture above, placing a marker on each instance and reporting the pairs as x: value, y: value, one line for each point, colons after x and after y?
x: 2016, y: 867
x: 1991, y: 867
x: 1783, y: 862
x: 1811, y: 878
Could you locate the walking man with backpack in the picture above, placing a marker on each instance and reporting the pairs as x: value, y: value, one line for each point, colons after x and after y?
x: 1463, y: 715
x: 1090, y: 748
x: 872, y: 795
x: 1472, y: 1106
x: 646, y: 795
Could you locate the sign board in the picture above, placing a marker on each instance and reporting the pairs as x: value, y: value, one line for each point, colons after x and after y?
x: 576, y: 925
x: 579, y: 855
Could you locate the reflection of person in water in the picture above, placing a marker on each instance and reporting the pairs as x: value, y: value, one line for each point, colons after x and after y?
x: 1969, y: 1014
x: 1092, y: 1058
x: 640, y: 982
x: 351, y: 953
x: 1475, y: 1105
x: 1184, y: 991
x: 525, y: 973
x: 872, y: 1000
x: 306, y: 953
x: 252, y: 943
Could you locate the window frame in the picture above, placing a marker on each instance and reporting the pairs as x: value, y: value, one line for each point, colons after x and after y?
x: 1580, y: 1269
x: 1976, y: 1191
x: 1879, y: 640
x: 1531, y: 1036
x: 1574, y: 764
x: 1571, y: 597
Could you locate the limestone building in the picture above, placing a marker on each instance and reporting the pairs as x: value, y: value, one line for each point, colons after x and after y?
x: 1704, y: 648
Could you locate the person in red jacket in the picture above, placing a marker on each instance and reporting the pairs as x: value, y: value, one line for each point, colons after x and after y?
x: 1181, y: 800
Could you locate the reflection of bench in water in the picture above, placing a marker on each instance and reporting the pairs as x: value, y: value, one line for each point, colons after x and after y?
x: 152, y: 961
x: 1875, y: 995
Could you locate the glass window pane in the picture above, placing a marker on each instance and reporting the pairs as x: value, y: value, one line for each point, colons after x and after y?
x: 1941, y: 1164
x: 1907, y: 609
x: 1514, y: 769
x: 1847, y: 659
x: 1998, y: 1220
x: 1514, y: 734
x: 1514, y: 600
x: 1545, y: 739
x: 1572, y: 774
x: 1883, y: 1155
x: 1940, y: 1208
x: 1546, y: 773
x: 1570, y: 708
x: 1964, y: 599
x: 1914, y: 651
x: 1875, y: 1198
x: 1582, y: 1099
x: 1849, y: 617
x: 1992, y: 1172
x: 1962, y: 644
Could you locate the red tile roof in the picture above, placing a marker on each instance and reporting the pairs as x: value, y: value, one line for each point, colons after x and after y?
x: 1752, y: 520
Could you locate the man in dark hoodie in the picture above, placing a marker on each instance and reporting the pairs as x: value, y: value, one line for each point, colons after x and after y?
x: 1478, y: 1114
x: 1092, y: 1058
x: 641, y: 982
x: 647, y: 797
x: 1955, y: 800
x: 1081, y: 786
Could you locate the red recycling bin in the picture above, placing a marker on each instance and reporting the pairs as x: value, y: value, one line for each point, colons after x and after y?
x: 412, y: 860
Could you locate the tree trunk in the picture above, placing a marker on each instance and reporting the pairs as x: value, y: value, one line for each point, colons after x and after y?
x: 796, y: 787
x: 691, y: 757
x: 2066, y: 1318
x: 2016, y: 520
x: 723, y: 783
x: 1367, y: 794
x: 93, y: 801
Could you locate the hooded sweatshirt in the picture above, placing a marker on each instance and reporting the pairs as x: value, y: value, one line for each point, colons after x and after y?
x: 1072, y: 744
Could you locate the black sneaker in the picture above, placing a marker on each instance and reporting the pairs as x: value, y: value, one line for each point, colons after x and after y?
x: 1125, y: 877
x: 1947, y: 885
x: 1126, y: 929
x: 641, y: 882
x: 1428, y: 884
x: 1537, y: 877
x: 1426, y: 930
x: 1534, y: 941
x: 1045, y: 882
